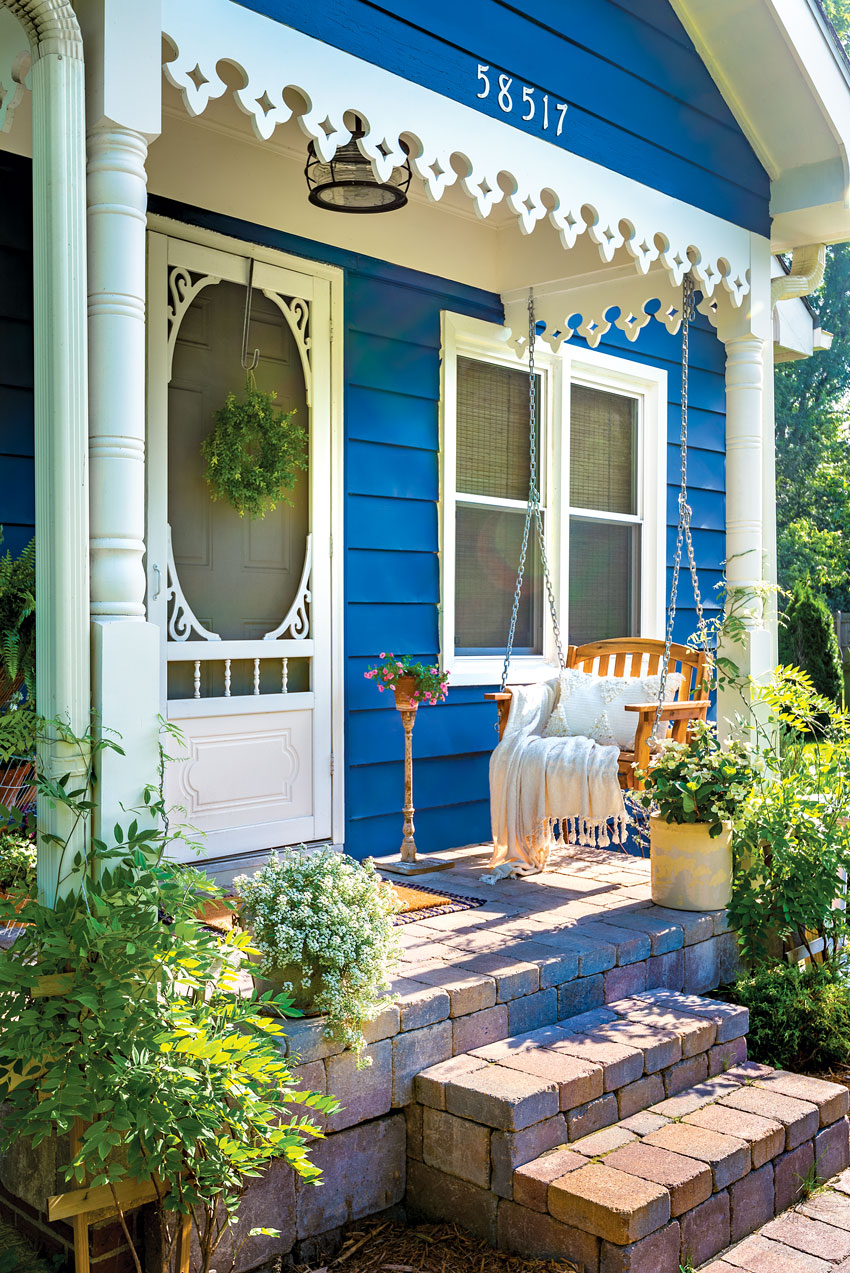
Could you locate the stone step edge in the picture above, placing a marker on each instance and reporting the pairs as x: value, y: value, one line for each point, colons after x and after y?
x: 717, y: 1200
x: 711, y: 1039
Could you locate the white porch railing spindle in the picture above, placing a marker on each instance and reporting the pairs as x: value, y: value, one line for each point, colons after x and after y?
x: 227, y: 678
x: 197, y: 678
x: 256, y: 676
x: 284, y: 676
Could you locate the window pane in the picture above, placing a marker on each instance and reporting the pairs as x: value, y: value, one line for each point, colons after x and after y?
x: 603, y: 449
x: 487, y: 554
x: 604, y: 580
x: 492, y: 429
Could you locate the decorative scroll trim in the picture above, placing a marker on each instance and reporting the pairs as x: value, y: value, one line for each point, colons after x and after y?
x: 500, y: 162
x: 296, y: 311
x: 297, y: 622
x: 183, y: 624
x: 182, y: 290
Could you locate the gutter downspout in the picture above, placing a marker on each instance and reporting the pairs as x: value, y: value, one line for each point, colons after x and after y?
x: 61, y: 407
x: 806, y: 275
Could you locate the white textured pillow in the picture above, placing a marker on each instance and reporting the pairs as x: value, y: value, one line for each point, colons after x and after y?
x: 595, y: 706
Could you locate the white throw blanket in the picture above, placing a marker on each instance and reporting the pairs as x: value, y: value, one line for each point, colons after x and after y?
x: 537, y: 782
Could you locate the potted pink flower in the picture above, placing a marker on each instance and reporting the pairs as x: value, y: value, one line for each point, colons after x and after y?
x: 412, y: 683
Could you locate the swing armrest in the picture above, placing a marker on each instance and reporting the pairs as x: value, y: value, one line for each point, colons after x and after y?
x: 502, y: 699
x: 679, y: 712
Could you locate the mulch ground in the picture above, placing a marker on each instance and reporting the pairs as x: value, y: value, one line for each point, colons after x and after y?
x: 382, y: 1246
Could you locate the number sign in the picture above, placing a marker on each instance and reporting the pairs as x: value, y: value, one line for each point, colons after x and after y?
x: 521, y: 97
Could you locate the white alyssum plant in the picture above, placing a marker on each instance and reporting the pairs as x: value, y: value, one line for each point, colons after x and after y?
x: 333, y: 917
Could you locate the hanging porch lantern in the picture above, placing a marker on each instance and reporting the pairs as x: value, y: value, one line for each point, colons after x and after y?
x: 347, y: 182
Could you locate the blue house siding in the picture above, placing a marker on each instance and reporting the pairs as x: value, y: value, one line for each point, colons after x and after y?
x: 641, y: 101
x: 17, y: 482
x: 391, y: 578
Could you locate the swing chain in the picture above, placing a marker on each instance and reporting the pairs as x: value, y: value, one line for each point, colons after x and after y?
x: 532, y: 512
x: 683, y: 530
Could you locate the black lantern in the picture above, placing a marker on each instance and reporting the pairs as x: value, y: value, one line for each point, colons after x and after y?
x: 347, y: 182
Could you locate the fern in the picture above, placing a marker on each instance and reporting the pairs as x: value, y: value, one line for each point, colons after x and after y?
x: 17, y: 621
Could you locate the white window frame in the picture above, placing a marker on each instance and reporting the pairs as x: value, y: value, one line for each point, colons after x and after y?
x: 474, y: 338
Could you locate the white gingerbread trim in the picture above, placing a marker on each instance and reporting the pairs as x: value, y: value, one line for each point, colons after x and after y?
x: 183, y: 624
x: 296, y: 311
x: 182, y: 290
x: 272, y: 57
x: 296, y: 624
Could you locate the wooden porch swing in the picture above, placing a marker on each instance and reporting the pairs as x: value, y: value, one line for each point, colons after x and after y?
x: 664, y: 720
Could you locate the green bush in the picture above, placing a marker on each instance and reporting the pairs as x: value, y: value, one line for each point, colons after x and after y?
x: 799, y: 1017
x: 807, y: 640
x: 791, y: 840
x: 17, y: 859
x: 17, y: 622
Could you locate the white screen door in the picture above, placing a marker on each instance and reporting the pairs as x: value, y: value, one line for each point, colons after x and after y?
x: 244, y: 605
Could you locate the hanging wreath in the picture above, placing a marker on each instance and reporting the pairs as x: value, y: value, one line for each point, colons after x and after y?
x: 254, y: 453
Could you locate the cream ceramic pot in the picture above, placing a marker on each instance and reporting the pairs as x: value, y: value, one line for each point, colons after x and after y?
x: 690, y: 871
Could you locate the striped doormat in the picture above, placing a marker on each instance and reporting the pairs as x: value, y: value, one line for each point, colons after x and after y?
x: 420, y: 903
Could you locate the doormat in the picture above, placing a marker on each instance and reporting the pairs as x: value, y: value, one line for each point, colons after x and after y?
x: 420, y: 903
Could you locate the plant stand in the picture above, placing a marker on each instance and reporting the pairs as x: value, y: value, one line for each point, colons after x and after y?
x: 408, y: 863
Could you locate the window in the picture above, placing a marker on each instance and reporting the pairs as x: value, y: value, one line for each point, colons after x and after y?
x: 600, y: 438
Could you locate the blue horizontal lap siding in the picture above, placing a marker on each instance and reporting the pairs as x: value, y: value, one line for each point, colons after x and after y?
x: 641, y: 101
x: 392, y: 345
x: 17, y: 478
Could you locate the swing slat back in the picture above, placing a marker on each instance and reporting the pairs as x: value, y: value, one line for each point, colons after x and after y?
x: 642, y: 656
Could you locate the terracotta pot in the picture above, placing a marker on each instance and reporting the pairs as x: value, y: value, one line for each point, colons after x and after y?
x: 405, y: 686
x: 689, y: 870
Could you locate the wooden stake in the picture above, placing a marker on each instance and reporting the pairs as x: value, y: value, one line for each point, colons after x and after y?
x: 81, y: 1220
x: 185, y: 1244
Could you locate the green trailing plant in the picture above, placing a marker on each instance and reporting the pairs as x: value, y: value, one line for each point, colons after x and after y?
x: 18, y: 729
x: 324, y: 922
x: 807, y: 640
x: 178, y: 1075
x: 17, y: 622
x: 702, y: 780
x: 791, y: 840
x: 254, y: 452
x: 799, y: 1017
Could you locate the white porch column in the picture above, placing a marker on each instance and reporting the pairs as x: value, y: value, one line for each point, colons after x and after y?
x: 123, y: 56
x: 746, y: 335
x: 61, y: 466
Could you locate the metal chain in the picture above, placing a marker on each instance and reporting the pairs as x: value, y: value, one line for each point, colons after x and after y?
x: 683, y: 530
x: 532, y: 513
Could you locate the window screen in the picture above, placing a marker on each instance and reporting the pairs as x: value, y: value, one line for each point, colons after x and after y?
x: 492, y: 430
x: 603, y: 445
x: 487, y: 554
x: 604, y: 570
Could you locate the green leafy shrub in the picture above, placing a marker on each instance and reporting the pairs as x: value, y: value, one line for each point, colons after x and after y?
x: 791, y: 840
x: 799, y: 1017
x: 148, y: 1038
x: 17, y: 860
x: 323, y: 919
x: 807, y: 640
x: 702, y: 780
x: 254, y: 452
x: 17, y: 622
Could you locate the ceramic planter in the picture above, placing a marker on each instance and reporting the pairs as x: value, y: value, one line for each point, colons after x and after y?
x: 690, y: 871
x: 405, y: 686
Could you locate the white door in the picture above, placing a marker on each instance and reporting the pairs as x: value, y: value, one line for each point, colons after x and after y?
x: 244, y: 605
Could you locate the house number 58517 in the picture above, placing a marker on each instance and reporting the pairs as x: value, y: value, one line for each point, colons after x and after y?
x: 510, y: 95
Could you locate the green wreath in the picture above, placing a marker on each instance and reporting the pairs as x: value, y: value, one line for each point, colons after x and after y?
x: 254, y: 452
